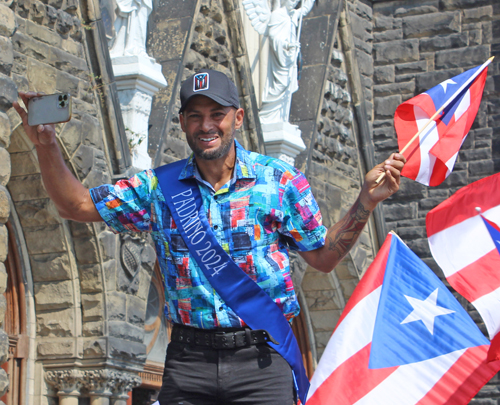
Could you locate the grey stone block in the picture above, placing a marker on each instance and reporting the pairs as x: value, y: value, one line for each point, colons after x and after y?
x: 439, y: 42
x: 56, y: 348
x: 482, y: 167
x: 386, y: 106
x: 8, y: 92
x: 116, y: 306
x: 388, y: 35
x: 126, y: 350
x: 383, y: 90
x: 54, y: 295
x: 475, y: 154
x: 420, y: 247
x: 48, y: 239
x: 94, y: 348
x: 382, y: 22
x: 86, y: 250
x: 56, y: 323
x: 365, y: 63
x: 6, y: 56
x: 90, y: 278
x: 476, y: 55
x: 365, y: 46
x: 314, y: 51
x: 309, y: 93
x: 92, y: 307
x: 124, y: 330
x: 136, y: 311
x: 396, y: 51
x: 412, y: 67
x: 427, y: 25
x: 7, y: 21
x: 404, y: 7
x: 461, y: 4
x: 397, y: 212
x: 425, y: 81
x: 50, y: 267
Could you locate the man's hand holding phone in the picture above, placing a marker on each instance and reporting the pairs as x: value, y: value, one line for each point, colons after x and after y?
x: 40, y: 134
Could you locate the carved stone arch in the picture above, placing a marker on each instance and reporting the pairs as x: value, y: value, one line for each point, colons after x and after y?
x: 56, y: 290
x: 19, y: 323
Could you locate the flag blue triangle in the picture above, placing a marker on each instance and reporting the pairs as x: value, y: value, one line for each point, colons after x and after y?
x: 494, y: 233
x: 418, y: 318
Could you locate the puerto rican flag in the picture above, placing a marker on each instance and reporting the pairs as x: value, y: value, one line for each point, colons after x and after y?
x: 402, y: 339
x: 467, y: 250
x: 431, y: 158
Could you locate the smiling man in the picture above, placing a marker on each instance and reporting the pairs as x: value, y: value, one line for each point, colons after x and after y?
x: 223, y: 221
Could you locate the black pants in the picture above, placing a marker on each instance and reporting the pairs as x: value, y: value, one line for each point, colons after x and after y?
x: 252, y: 375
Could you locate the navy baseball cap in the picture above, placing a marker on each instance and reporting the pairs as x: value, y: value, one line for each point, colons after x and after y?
x: 210, y: 83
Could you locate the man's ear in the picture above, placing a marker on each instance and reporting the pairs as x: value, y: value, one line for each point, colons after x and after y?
x: 238, y: 116
x: 181, y: 120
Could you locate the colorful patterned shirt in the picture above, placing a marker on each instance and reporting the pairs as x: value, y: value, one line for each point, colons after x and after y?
x: 264, y: 210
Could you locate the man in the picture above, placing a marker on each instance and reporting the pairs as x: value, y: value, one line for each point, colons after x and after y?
x: 256, y: 207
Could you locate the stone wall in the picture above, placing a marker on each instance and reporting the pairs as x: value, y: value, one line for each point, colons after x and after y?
x: 416, y: 46
x: 7, y: 95
x: 336, y: 167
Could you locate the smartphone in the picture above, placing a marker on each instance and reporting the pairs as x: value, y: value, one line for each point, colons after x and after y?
x: 49, y: 109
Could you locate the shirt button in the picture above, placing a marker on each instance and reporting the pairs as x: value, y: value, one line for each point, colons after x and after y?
x: 221, y: 308
x: 216, y: 226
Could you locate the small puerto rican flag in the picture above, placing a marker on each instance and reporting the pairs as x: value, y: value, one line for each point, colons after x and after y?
x: 201, y: 82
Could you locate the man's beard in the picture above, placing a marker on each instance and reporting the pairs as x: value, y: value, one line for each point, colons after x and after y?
x: 221, y: 151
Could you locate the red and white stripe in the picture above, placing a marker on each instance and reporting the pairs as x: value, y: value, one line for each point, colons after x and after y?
x: 432, y: 158
x: 463, y: 248
x: 343, y: 377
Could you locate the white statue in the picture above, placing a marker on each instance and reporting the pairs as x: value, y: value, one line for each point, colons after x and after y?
x: 282, y: 26
x: 131, y: 24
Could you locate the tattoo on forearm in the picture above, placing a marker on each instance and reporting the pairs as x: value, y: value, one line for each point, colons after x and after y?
x: 342, y: 236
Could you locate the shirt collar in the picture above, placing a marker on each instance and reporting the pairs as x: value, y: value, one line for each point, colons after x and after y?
x: 243, y: 169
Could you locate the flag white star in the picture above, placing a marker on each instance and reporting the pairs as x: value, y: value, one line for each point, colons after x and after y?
x: 446, y: 83
x: 426, y: 311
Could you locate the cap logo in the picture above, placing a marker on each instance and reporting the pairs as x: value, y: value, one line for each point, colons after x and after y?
x: 201, y: 82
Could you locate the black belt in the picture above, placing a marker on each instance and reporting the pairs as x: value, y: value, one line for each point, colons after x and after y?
x: 219, y: 338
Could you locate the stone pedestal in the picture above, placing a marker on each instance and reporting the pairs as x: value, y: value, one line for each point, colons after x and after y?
x: 137, y: 80
x: 283, y: 141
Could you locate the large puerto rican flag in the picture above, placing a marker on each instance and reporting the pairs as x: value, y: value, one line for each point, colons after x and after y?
x: 431, y: 158
x: 402, y: 339
x: 467, y: 253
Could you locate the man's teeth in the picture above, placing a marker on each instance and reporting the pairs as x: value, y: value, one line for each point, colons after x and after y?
x: 207, y: 139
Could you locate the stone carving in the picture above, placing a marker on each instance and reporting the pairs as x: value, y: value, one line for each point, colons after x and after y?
x: 125, y: 383
x: 65, y: 381
x: 99, y: 381
x: 131, y: 255
x: 131, y: 28
x: 282, y: 25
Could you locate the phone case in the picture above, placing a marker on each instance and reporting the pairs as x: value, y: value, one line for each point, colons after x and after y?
x: 49, y: 109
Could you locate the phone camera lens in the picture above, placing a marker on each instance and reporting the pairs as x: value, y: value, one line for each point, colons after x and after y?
x: 65, y: 97
x: 60, y: 98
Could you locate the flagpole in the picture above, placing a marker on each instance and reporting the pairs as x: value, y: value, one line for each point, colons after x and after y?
x: 472, y: 78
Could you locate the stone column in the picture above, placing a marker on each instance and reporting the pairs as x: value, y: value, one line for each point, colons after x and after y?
x: 67, y: 383
x: 125, y: 383
x: 137, y: 79
x: 99, y: 383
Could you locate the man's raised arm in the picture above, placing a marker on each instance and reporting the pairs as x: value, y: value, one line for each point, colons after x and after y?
x: 342, y: 236
x: 71, y: 198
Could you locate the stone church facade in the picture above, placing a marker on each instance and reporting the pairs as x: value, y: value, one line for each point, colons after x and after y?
x: 81, y: 308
